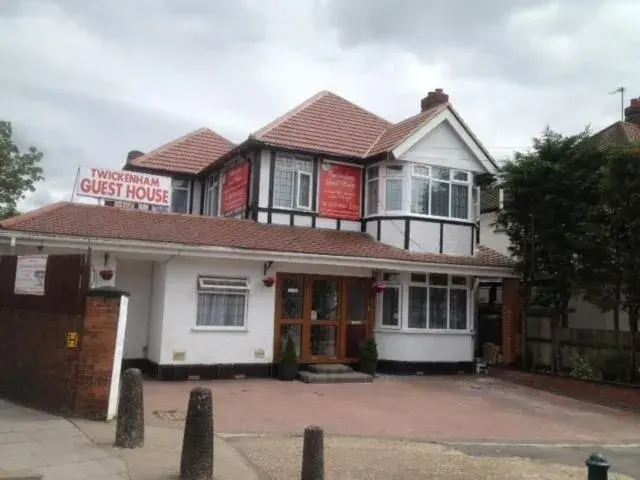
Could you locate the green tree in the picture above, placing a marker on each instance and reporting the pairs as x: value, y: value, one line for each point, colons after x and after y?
x: 19, y: 172
x: 548, y: 193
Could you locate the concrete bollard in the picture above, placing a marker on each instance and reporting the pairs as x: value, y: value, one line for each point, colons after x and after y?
x: 130, y: 420
x: 196, y: 462
x: 597, y: 467
x: 313, y: 454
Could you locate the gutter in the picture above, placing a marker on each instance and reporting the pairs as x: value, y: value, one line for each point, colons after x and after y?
x: 175, y: 249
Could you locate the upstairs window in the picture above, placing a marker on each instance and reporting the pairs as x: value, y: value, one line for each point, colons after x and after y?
x: 372, y: 191
x: 393, y: 188
x: 292, y: 182
x: 440, y: 192
x: 180, y: 195
x: 212, y: 195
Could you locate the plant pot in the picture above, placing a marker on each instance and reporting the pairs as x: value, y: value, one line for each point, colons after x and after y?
x: 368, y: 366
x: 287, y: 372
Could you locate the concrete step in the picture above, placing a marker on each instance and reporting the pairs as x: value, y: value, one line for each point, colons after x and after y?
x: 19, y: 475
x: 330, y: 368
x: 345, y: 377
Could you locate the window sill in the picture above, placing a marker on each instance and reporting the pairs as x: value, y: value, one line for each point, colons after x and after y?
x: 219, y: 329
x: 382, y: 215
x: 415, y: 331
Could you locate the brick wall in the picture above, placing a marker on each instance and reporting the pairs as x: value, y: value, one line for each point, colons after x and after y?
x: 612, y: 395
x: 511, y: 304
x: 39, y: 370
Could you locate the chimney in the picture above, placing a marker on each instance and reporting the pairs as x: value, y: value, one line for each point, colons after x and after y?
x: 433, y: 99
x: 133, y: 154
x: 632, y: 112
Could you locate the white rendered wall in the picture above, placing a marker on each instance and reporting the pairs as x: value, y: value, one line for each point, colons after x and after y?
x: 425, y: 347
x: 157, y: 309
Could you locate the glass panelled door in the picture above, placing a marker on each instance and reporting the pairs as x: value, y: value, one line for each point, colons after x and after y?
x: 324, y: 317
x: 357, y: 292
x: 291, y: 295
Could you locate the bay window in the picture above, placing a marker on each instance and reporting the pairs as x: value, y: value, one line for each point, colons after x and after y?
x: 212, y: 195
x: 292, y: 182
x: 393, y: 188
x: 391, y: 301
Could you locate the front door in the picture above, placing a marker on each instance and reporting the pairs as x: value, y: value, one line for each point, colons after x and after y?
x: 327, y: 317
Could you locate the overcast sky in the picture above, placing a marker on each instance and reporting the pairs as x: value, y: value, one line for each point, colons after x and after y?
x: 86, y: 81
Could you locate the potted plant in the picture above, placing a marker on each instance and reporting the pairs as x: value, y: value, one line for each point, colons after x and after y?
x: 106, y: 274
x: 369, y: 357
x: 288, y: 368
x: 378, y: 286
x: 268, y: 281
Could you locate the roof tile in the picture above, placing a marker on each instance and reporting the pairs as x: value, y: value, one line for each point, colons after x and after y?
x: 620, y: 133
x: 69, y: 219
x: 187, y: 154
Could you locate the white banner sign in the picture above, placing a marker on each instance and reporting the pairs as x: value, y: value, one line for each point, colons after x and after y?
x: 30, y: 274
x: 126, y: 186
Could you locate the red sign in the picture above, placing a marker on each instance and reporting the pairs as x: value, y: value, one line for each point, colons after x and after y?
x: 340, y: 187
x: 235, y: 189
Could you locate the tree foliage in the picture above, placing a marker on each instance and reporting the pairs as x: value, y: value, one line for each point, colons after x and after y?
x: 19, y: 171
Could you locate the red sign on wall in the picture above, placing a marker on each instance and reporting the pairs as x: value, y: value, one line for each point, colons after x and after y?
x: 235, y: 189
x: 340, y: 187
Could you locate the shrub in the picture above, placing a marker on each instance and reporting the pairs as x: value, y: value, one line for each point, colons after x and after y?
x: 289, y: 356
x: 370, y: 350
x: 581, y: 368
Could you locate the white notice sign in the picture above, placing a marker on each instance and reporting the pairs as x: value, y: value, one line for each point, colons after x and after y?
x: 30, y: 273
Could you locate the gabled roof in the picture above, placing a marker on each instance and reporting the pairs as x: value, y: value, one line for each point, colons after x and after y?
x: 398, y: 133
x: 188, y: 154
x: 92, y: 221
x: 325, y: 123
x: 620, y: 133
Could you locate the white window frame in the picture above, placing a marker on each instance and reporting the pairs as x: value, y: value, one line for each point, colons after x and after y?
x: 212, y: 192
x: 210, y: 284
x: 187, y: 189
x: 394, y: 283
x: 295, y: 194
x: 393, y: 172
x: 371, y: 180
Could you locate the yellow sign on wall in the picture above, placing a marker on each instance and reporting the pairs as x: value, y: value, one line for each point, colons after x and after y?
x: 72, y: 339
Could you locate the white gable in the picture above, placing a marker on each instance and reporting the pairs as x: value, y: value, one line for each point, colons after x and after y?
x: 444, y: 141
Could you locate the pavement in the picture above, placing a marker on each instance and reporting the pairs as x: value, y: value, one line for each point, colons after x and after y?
x: 463, y: 428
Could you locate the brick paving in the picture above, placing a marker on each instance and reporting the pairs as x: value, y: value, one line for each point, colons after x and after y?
x: 462, y: 408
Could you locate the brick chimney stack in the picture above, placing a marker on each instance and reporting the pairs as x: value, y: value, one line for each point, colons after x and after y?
x: 133, y: 154
x: 434, y: 98
x: 632, y: 112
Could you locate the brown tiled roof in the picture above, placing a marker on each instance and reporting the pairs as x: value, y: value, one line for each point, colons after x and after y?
x: 394, y: 136
x: 325, y: 123
x: 69, y: 219
x: 187, y: 154
x: 620, y: 133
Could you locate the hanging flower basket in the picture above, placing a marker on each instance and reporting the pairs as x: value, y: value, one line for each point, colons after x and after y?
x: 268, y: 281
x: 378, y: 286
x: 106, y: 274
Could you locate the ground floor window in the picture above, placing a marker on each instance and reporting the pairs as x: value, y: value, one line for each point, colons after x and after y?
x: 433, y: 302
x: 222, y: 302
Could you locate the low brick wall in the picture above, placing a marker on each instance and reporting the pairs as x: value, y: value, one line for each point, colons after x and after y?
x: 613, y: 395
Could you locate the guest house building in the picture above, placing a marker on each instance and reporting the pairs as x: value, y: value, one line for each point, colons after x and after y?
x: 330, y: 224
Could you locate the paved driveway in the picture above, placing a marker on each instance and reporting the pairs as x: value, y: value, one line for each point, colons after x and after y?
x: 446, y: 409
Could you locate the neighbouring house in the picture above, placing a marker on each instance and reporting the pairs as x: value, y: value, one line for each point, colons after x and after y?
x: 329, y: 224
x: 583, y: 315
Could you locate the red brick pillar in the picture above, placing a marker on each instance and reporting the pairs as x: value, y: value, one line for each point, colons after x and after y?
x: 511, y: 304
x: 99, y: 348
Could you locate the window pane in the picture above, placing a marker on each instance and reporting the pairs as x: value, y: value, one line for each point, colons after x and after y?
x: 419, y: 277
x: 440, y: 173
x: 296, y: 334
x: 420, y: 170
x: 357, y: 294
x: 458, y: 309
x: 372, y: 197
x: 459, y: 201
x: 283, y: 186
x: 292, y: 298
x: 438, y: 279
x: 323, y: 340
x: 304, y: 194
x: 417, y: 307
x: 324, y: 300
x: 420, y: 195
x: 390, y: 277
x: 393, y: 194
x: 180, y: 183
x: 458, y: 280
x: 437, y: 308
x: 372, y: 173
x: 394, y: 170
x: 391, y: 307
x: 461, y: 176
x: 440, y: 199
x: 179, y: 200
x: 220, y: 309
